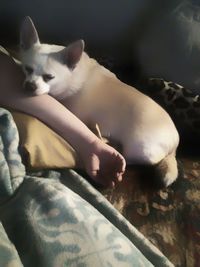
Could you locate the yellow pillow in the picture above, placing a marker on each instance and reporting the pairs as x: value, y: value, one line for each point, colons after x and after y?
x: 41, y: 147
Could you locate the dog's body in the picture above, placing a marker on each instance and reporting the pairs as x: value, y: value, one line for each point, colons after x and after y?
x: 95, y: 95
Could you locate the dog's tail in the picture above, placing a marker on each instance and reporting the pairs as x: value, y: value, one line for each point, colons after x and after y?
x: 167, y: 170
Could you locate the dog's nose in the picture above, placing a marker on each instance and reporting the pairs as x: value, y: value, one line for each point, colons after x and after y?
x: 30, y: 87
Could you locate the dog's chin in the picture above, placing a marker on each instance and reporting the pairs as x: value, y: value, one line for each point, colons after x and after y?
x: 41, y: 92
x: 38, y: 92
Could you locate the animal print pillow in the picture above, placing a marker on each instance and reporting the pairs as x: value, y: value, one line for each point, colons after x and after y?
x: 181, y: 103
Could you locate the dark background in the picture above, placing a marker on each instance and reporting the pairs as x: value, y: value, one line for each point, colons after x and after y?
x: 108, y: 27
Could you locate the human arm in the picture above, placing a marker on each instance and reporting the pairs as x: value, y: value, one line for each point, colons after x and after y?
x: 102, y: 162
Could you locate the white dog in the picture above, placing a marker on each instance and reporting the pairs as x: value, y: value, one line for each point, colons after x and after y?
x: 95, y: 95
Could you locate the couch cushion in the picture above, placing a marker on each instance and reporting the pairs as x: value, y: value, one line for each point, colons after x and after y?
x: 41, y: 147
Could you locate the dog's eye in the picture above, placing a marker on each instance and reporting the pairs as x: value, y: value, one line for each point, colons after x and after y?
x: 28, y: 69
x: 47, y: 77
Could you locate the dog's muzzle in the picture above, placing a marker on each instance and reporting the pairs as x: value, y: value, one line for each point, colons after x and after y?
x: 30, y: 87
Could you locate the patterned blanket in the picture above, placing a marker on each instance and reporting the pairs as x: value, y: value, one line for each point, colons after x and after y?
x: 53, y: 218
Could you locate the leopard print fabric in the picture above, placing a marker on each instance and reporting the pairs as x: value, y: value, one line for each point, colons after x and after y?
x: 181, y: 103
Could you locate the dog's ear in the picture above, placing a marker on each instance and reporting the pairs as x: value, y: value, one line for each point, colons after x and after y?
x: 28, y: 34
x: 72, y: 53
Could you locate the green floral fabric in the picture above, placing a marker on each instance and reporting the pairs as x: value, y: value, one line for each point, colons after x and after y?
x: 58, y: 219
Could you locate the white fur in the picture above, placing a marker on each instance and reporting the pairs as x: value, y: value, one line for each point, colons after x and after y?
x: 95, y: 95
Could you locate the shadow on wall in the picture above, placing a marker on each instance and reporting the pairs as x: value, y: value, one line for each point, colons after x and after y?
x: 170, y: 46
x: 107, y: 26
x: 162, y: 36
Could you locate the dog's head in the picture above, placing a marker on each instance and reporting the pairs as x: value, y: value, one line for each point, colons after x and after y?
x: 47, y: 68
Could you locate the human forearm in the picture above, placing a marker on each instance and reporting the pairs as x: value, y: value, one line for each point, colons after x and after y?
x: 55, y: 115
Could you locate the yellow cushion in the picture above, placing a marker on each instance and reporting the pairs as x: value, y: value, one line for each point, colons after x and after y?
x: 42, y: 147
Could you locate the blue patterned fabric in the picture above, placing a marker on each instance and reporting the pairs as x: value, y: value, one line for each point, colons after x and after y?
x: 55, y: 219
